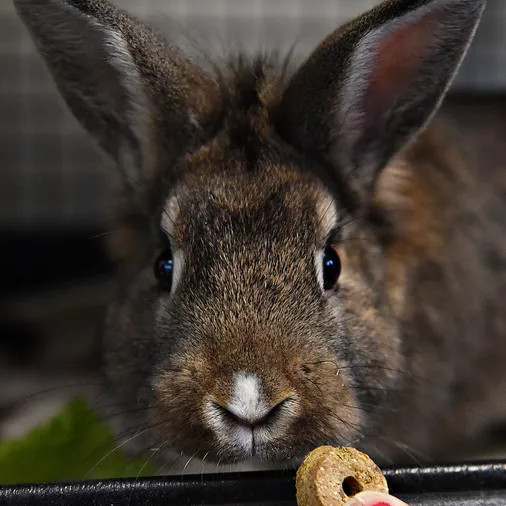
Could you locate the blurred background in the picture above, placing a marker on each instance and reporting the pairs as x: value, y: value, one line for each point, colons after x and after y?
x: 55, y: 192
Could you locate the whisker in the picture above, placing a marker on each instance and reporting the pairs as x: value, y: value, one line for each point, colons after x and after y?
x: 160, y: 470
x: 326, y: 361
x: 103, y: 234
x: 353, y: 219
x: 28, y: 397
x: 144, y: 466
x: 391, y: 369
x: 315, y: 384
x: 138, y: 431
x: 351, y: 425
x: 408, y: 450
x: 358, y: 408
x: 349, y: 239
x: 116, y: 448
x: 203, y: 462
x: 343, y: 224
x: 125, y: 412
x: 188, y: 462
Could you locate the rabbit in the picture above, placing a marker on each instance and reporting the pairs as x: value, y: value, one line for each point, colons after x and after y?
x: 307, y: 254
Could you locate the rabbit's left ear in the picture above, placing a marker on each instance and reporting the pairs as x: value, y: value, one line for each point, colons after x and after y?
x: 134, y: 92
x: 372, y: 84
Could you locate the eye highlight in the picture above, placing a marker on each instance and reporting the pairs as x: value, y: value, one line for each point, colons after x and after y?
x: 331, y: 267
x: 164, y: 269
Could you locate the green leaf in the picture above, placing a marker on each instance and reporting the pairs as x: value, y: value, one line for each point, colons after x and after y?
x: 73, y: 445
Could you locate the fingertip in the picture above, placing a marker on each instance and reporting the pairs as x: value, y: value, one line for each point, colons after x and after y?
x: 374, y: 499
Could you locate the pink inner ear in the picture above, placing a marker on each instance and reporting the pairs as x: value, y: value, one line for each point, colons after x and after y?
x: 396, y: 62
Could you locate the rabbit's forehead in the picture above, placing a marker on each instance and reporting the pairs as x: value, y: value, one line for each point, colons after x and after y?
x: 302, y: 207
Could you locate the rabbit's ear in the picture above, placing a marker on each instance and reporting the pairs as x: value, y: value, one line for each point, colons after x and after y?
x: 372, y: 84
x: 132, y: 90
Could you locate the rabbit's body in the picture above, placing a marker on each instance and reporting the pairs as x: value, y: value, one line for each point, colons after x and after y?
x: 321, y: 275
x: 453, y: 261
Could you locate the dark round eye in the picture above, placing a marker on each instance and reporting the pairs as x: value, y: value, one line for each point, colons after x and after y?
x: 331, y: 268
x: 164, y: 268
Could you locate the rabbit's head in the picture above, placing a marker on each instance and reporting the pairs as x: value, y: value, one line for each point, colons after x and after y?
x: 261, y: 275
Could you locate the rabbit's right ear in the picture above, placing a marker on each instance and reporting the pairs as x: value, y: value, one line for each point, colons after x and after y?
x: 134, y: 92
x: 372, y: 84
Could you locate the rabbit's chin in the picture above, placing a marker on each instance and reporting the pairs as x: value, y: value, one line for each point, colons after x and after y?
x: 177, y: 465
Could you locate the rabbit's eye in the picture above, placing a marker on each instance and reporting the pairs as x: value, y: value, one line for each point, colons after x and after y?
x: 331, y: 268
x: 164, y: 268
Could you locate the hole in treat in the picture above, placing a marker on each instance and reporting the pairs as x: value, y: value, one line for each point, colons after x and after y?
x: 351, y: 486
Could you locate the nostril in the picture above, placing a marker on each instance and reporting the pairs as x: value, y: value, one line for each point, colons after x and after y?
x: 254, y: 418
x: 277, y: 409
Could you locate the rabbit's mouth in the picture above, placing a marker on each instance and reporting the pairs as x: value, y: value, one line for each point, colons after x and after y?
x: 229, y: 443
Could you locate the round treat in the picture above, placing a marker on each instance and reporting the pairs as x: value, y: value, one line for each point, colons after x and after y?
x: 331, y: 476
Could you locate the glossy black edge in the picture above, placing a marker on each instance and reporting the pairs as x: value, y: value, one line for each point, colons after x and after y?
x: 276, y: 487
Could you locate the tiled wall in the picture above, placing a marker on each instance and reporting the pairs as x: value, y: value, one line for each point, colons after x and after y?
x: 51, y: 173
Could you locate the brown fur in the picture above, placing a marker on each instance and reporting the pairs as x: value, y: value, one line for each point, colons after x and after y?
x: 258, y: 168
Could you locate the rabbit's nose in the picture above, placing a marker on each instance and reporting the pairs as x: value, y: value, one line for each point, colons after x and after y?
x: 248, y: 406
x: 254, y: 418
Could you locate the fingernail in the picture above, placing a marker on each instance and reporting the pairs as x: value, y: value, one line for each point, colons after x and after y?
x: 374, y: 499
